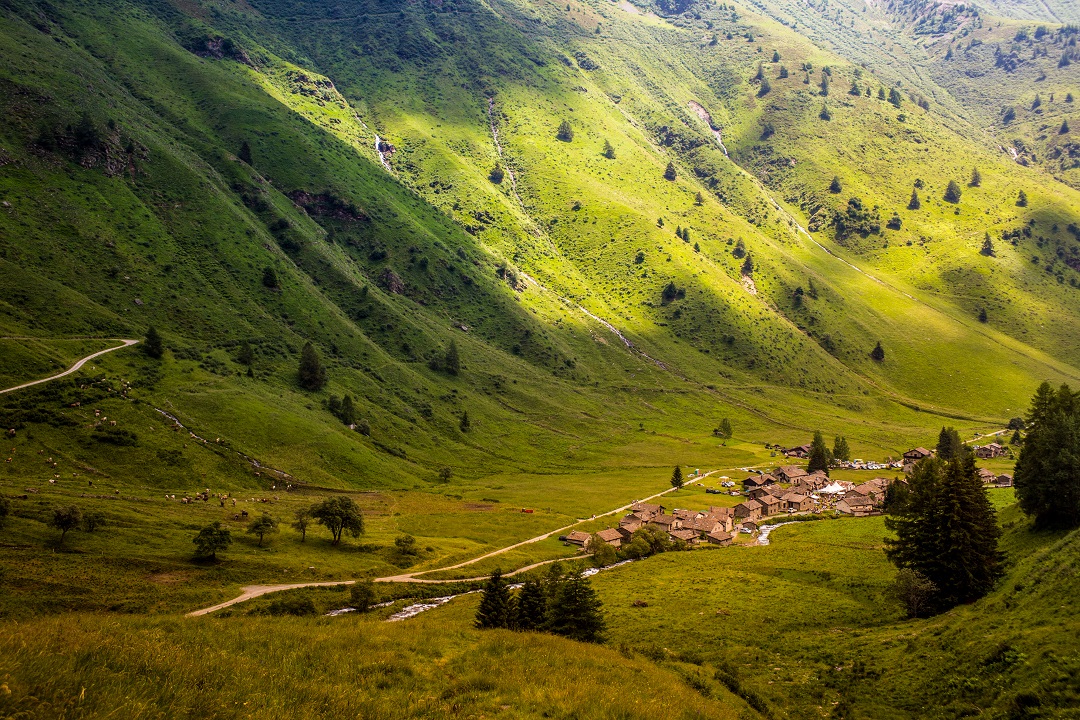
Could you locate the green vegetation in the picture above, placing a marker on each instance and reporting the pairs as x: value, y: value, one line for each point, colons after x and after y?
x: 1047, y: 473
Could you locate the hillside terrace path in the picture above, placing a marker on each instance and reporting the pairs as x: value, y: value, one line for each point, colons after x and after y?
x: 74, y: 368
x: 249, y: 592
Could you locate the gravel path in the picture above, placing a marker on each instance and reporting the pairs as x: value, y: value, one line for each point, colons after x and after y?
x: 74, y: 368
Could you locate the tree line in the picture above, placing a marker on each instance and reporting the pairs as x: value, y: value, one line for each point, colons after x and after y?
x: 561, y: 603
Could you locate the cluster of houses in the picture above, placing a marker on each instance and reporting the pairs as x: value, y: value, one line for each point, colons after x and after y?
x: 769, y: 497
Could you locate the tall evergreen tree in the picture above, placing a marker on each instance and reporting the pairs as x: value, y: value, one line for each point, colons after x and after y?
x: 531, y: 607
x: 1048, y: 470
x: 609, y: 150
x: 948, y: 531
x: 841, y: 451
x: 495, y: 605
x: 153, y: 345
x: 245, y: 153
x: 452, y: 361
x: 949, y: 444
x: 669, y: 171
x: 835, y: 187
x: 976, y: 178
x: 952, y: 192
x: 878, y: 353
x: 576, y: 611
x: 565, y: 132
x: 465, y: 424
x: 312, y: 373
x: 1021, y: 199
x: 347, y: 412
x: 914, y: 203
x: 677, y: 480
x: 819, y: 454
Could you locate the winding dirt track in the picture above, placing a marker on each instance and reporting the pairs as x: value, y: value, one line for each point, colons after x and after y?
x: 74, y: 368
x: 253, y: 591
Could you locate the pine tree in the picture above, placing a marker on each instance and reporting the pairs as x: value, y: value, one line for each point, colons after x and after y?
x: 565, y: 132
x: 452, y: 362
x: 153, y: 345
x: 748, y: 265
x: 1064, y: 127
x: 881, y: 93
x: 855, y: 89
x: 775, y: 56
x: 765, y: 88
x: 669, y: 171
x: 497, y: 173
x: 465, y: 423
x: 726, y: 429
x: 495, y: 606
x: 245, y: 355
x: 677, y: 480
x: 914, y: 203
x: 245, y: 153
x: 270, y: 279
x: 983, y: 317
x: 976, y: 178
x: 835, y: 187
x: 819, y: 454
x: 1048, y: 470
x: 575, y: 611
x: 878, y: 353
x: 347, y: 413
x: 699, y: 199
x: 841, y: 451
x: 895, y: 98
x: 987, y: 246
x: 1021, y: 199
x: 948, y: 532
x: 824, y: 84
x: 609, y: 150
x: 531, y: 607
x: 312, y: 373
x: 949, y: 444
x: 952, y: 192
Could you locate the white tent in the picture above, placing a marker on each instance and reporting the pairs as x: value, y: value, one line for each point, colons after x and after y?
x: 832, y: 489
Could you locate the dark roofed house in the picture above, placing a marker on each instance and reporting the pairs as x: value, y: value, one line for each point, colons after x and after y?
x: 916, y: 454
x: 686, y: 515
x: 702, y: 524
x: 802, y: 451
x: 579, y: 538
x: 759, y: 481
x: 1003, y: 481
x: 855, y: 504
x: 750, y: 509
x: 798, y: 503
x: 690, y: 537
x: 770, y: 505
x: 760, y: 492
x: 790, y: 473
x: 611, y: 536
x: 992, y: 450
x: 667, y: 523
x: 719, y: 537
x: 646, y: 510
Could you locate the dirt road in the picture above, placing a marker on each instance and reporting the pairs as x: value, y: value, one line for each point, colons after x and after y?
x: 74, y: 368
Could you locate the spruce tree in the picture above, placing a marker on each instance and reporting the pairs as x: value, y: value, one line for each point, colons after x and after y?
x: 270, y: 278
x: 245, y: 356
x: 677, y: 480
x: 841, y: 451
x: 835, y: 187
x: 565, y: 132
x: 452, y: 362
x: 245, y: 153
x: 609, y: 151
x: 1021, y: 199
x: 531, y: 607
x: 1064, y: 127
x: 495, y: 606
x: 952, y: 192
x: 895, y: 98
x: 699, y: 199
x: 878, y: 353
x: 465, y: 423
x: 312, y: 374
x: 669, y: 171
x: 1047, y: 477
x: 153, y: 345
x: 819, y: 454
x: 347, y: 412
x: 725, y: 428
x: 948, y: 532
x: 976, y: 178
x: 949, y: 444
x: 576, y: 611
x: 914, y: 203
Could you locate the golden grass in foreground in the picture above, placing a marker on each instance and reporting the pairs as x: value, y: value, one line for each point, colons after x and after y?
x: 83, y: 665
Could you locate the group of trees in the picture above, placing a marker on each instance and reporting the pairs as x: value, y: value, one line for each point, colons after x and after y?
x: 339, y: 514
x: 724, y: 430
x: 1047, y: 475
x: 65, y: 518
x: 560, y: 603
x: 946, y: 543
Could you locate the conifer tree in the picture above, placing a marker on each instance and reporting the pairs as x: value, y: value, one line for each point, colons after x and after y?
x: 245, y: 355
x: 855, y: 89
x: 824, y: 84
x: 987, y: 246
x: 565, y: 132
x: 881, y: 93
x: 825, y: 114
x: 835, y: 187
x: 465, y: 423
x: 669, y: 171
x: 976, y: 178
x: 895, y: 98
x: 841, y: 451
x: 531, y: 607
x: 312, y: 373
x: 1048, y: 470
x: 949, y: 444
x: 699, y: 199
x: 952, y: 192
x: 575, y: 611
x: 725, y: 428
x: 245, y: 153
x: 497, y: 173
x: 819, y: 454
x: 1021, y: 199
x: 914, y: 203
x: 270, y: 278
x: 677, y: 480
x: 609, y: 150
x: 347, y: 412
x: 878, y: 353
x: 1064, y: 127
x: 775, y: 56
x: 153, y: 345
x: 452, y: 361
x: 948, y: 532
x: 495, y: 605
